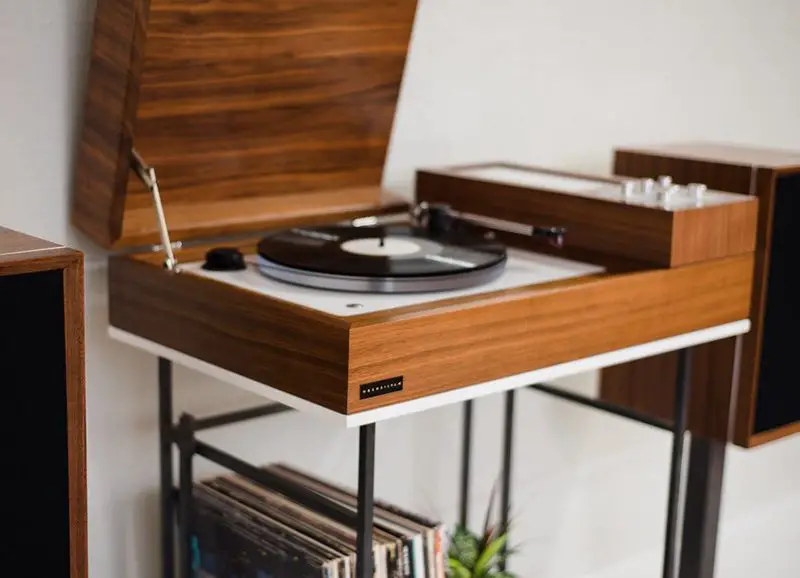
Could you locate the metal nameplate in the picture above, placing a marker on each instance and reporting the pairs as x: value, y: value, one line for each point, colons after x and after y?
x: 382, y: 387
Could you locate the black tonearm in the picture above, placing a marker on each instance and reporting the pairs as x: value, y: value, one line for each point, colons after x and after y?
x: 441, y: 218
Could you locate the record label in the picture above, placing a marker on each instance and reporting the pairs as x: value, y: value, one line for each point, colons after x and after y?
x: 381, y: 246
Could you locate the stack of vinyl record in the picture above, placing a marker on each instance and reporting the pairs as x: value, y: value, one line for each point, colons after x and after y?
x: 249, y: 530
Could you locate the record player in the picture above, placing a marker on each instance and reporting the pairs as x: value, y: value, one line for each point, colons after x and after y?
x: 239, y: 184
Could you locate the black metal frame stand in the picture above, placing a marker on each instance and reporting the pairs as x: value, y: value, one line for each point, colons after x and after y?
x: 505, y: 489
x: 698, y: 539
x: 680, y: 415
x: 697, y: 542
x: 702, y: 508
x: 176, y: 503
x: 466, y: 454
x: 168, y: 493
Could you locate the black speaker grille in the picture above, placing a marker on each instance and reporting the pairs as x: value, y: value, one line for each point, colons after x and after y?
x: 778, y: 401
x: 33, y: 377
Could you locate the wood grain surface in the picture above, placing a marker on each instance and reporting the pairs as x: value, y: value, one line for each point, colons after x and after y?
x: 713, y: 232
x: 651, y: 234
x: 76, y: 414
x: 646, y: 384
x: 477, y: 340
x: 717, y: 154
x: 288, y: 347
x: 733, y: 178
x: 743, y: 418
x: 13, y: 244
x: 773, y: 435
x: 109, y: 113
x: 436, y: 346
x: 21, y: 254
x: 231, y: 217
x: 240, y: 101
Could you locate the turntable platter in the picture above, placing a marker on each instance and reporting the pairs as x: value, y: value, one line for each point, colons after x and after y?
x: 384, y: 259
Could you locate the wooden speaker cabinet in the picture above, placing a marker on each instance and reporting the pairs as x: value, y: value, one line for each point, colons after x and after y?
x: 762, y: 374
x: 42, y: 355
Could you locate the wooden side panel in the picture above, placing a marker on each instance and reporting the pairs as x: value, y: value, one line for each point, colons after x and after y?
x: 288, y: 347
x: 751, y: 350
x: 109, y: 111
x: 535, y: 327
x: 76, y: 415
x: 714, y: 232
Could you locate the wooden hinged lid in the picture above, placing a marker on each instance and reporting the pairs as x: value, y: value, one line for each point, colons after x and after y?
x: 252, y: 112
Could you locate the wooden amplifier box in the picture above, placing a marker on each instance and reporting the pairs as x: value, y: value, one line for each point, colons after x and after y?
x: 767, y: 404
x: 658, y: 223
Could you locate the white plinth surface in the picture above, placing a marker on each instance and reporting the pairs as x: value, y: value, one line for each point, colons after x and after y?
x: 597, y: 189
x: 449, y: 397
x: 534, y: 179
x: 523, y: 268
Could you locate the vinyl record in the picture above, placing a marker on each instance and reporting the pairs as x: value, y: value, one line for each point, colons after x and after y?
x: 391, y: 258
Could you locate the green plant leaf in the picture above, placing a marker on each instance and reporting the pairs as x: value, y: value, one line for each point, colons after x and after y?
x: 487, y: 537
x: 502, y: 575
x: 486, y: 559
x: 486, y: 529
x: 464, y: 547
x: 457, y: 569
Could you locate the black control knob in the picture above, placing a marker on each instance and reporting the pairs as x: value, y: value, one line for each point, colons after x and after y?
x: 224, y: 259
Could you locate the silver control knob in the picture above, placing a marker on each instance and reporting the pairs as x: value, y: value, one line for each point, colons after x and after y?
x: 696, y: 190
x: 646, y: 186
x: 665, y: 181
x: 666, y: 194
x: 627, y: 189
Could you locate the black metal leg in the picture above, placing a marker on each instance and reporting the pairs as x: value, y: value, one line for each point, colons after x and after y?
x: 682, y: 397
x: 186, y: 447
x: 366, y: 486
x: 466, y: 453
x: 505, y: 496
x: 702, y: 508
x: 167, y: 481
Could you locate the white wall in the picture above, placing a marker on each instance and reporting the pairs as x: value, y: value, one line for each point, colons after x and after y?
x: 554, y: 82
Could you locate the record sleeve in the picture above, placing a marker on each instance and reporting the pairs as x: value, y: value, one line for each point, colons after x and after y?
x: 424, y: 540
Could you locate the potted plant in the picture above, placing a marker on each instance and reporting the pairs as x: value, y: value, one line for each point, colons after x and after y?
x: 473, y: 555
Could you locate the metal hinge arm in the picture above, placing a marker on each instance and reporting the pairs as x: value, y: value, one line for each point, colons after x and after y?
x: 147, y: 175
